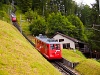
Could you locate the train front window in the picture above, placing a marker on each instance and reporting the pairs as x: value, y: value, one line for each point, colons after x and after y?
x: 57, y: 46
x: 52, y: 47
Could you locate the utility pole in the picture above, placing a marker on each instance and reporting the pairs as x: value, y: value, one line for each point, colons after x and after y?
x: 21, y: 20
x: 20, y: 23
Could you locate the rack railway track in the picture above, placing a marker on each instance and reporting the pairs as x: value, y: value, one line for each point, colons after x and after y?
x: 63, y: 68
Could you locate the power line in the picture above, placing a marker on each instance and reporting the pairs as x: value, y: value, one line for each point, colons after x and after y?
x: 95, y: 25
x: 96, y: 29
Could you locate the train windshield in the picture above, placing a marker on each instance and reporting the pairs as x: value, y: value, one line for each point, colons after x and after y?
x: 54, y: 46
x: 57, y: 46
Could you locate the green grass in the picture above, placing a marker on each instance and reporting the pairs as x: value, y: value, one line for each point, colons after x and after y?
x: 89, y: 67
x: 19, y: 57
x: 4, y: 13
x: 72, y: 56
x: 98, y: 60
x: 85, y: 66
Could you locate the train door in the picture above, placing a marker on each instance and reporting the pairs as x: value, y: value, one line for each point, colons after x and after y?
x: 46, y: 50
x: 36, y: 43
x: 42, y: 47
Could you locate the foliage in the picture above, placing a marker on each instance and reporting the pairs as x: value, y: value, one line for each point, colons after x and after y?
x: 46, y: 7
x: 29, y: 15
x: 38, y: 26
x: 70, y: 7
x: 95, y: 39
x: 58, y: 23
x: 4, y: 13
x: 5, y: 1
x: 85, y: 15
x: 98, y: 60
x: 24, y: 5
x: 39, y: 6
x: 79, y: 32
x: 95, y: 13
x: 0, y: 5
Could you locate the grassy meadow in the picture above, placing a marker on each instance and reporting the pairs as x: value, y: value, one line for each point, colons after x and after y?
x: 88, y: 67
x: 73, y: 56
x: 19, y: 57
x: 85, y: 66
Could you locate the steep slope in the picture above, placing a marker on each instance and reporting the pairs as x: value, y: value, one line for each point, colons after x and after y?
x: 88, y: 67
x: 72, y: 56
x: 85, y: 66
x: 18, y: 56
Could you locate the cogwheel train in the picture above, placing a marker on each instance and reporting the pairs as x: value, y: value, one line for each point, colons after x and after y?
x: 13, y: 17
x: 50, y: 48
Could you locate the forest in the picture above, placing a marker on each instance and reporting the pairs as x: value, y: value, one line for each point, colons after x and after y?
x: 65, y: 16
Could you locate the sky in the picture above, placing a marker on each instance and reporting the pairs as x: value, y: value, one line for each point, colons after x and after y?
x: 88, y: 2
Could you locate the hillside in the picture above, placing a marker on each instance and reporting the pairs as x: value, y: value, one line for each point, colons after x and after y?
x: 18, y: 56
x: 88, y: 67
x: 85, y: 66
x: 73, y: 56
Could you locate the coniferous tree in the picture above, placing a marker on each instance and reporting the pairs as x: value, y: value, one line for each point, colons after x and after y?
x: 95, y: 39
x: 24, y: 4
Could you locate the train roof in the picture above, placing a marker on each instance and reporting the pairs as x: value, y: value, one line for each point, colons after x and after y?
x: 13, y: 15
x: 47, y: 40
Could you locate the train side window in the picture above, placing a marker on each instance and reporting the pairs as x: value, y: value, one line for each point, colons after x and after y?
x: 52, y: 46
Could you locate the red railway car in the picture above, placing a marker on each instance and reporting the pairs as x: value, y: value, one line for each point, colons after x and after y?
x: 13, y: 17
x: 50, y: 48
